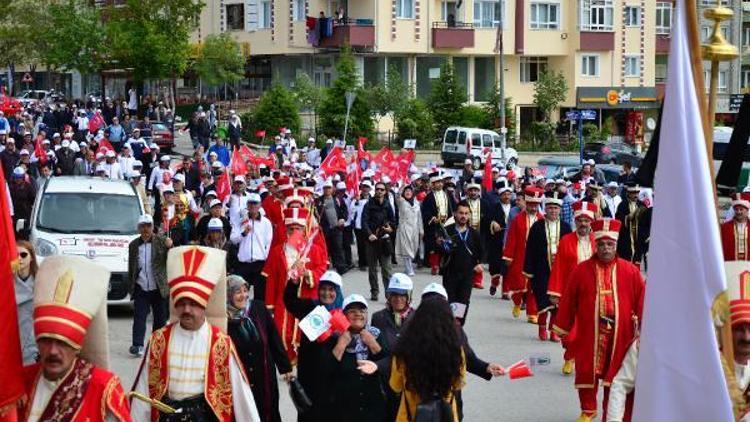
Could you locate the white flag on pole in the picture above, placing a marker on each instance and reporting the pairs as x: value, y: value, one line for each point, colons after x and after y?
x: 679, y: 374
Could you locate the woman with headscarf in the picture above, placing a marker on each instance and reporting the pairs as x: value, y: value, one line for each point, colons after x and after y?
x: 258, y: 345
x: 358, y: 393
x: 315, y: 360
x: 410, y: 230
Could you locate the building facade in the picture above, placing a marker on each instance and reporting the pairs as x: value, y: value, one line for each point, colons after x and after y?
x: 606, y: 49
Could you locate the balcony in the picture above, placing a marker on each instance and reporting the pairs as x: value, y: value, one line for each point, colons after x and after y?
x: 358, y: 33
x: 662, y: 44
x: 452, y: 35
x: 597, y: 41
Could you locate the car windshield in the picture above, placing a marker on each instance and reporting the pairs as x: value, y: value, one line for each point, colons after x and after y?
x: 450, y: 137
x: 158, y: 126
x: 88, y: 213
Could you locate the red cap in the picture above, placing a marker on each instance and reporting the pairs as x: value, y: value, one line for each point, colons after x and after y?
x: 741, y: 199
x: 583, y: 209
x: 296, y: 195
x: 533, y: 194
x: 607, y: 228
x: 296, y: 216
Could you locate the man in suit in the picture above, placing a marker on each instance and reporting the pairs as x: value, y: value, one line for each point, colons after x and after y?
x: 498, y: 219
x: 438, y: 205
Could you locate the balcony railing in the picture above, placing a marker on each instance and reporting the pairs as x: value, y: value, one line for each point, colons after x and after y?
x: 358, y: 33
x: 452, y: 34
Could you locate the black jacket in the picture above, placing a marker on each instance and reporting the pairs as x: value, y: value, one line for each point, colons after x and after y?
x: 375, y: 215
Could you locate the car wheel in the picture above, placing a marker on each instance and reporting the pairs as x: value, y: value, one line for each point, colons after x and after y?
x: 476, y: 162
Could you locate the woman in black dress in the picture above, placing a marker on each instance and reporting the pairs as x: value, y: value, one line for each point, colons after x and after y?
x: 259, y: 347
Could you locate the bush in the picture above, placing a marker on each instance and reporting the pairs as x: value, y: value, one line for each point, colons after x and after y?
x: 276, y: 109
x: 415, y: 122
x: 591, y: 133
x: 446, y: 99
x: 475, y: 116
x: 543, y: 135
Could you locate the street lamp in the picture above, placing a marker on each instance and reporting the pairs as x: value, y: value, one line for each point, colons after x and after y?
x: 350, y: 96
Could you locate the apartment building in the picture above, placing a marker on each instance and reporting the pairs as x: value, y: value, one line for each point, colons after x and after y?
x: 745, y: 48
x: 607, y: 49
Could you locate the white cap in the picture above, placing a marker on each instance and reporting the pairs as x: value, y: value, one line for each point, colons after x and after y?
x: 366, y: 183
x: 46, y: 141
x: 212, y: 193
x: 24, y: 152
x: 254, y: 197
x: 19, y: 171
x: 332, y: 277
x: 467, y: 161
x: 213, y: 154
x: 341, y: 186
x: 168, y: 189
x: 65, y: 143
x: 329, y: 141
x: 385, y: 179
x: 400, y: 283
x: 213, y: 202
x: 590, y: 162
x: 135, y: 173
x: 145, y: 219
x: 137, y: 163
x: 109, y: 154
x: 99, y: 155
x: 311, y: 139
x: 217, y: 165
x: 215, y: 224
x: 240, y: 179
x: 328, y: 183
x: 435, y: 288
x: 165, y: 158
x: 354, y: 298
x: 179, y: 177
x: 613, y: 185
x: 56, y: 135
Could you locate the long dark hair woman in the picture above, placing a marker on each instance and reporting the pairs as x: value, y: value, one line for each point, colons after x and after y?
x: 259, y: 347
x: 428, y: 361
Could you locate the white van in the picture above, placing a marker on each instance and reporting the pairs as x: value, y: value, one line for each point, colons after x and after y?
x: 456, y: 141
x: 91, y: 217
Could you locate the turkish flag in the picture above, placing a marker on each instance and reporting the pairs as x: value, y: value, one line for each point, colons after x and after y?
x: 335, y: 162
x: 353, y: 176
x: 96, y: 122
x: 39, y: 152
x: 11, y: 363
x: 362, y: 154
x: 487, y: 178
x: 223, y: 186
x: 104, y: 146
x: 246, y: 153
x: 237, y: 163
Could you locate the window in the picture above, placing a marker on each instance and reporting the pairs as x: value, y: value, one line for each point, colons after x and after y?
x: 597, y: 15
x: 590, y: 65
x: 745, y: 78
x: 663, y: 17
x: 405, y: 9
x: 545, y: 16
x: 725, y: 33
x: 531, y: 67
x: 722, y: 82
x: 632, y: 66
x: 264, y: 20
x: 235, y: 17
x: 488, y: 14
x: 723, y: 78
x: 632, y: 16
x: 299, y: 10
x: 448, y: 11
x: 661, y: 73
x: 746, y: 36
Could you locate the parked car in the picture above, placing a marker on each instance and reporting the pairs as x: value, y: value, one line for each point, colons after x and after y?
x: 33, y: 96
x: 460, y: 143
x: 612, y: 153
x: 162, y: 135
x: 564, y: 167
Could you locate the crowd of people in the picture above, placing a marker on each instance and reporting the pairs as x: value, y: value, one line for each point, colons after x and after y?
x: 278, y: 232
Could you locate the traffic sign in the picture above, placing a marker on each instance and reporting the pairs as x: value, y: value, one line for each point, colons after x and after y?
x: 735, y: 101
x: 588, y: 114
x: 573, y: 115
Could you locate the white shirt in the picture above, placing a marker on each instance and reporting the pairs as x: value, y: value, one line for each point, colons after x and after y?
x: 742, y: 374
x: 255, y: 245
x: 358, y: 206
x: 188, y: 356
x: 113, y: 171
x: 145, y: 272
x: 236, y: 204
x: 156, y: 177
x: 126, y: 164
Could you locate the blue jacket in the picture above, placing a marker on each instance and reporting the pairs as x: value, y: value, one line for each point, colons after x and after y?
x: 222, y: 152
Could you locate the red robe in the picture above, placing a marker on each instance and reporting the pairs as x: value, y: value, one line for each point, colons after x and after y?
x: 87, y: 393
x: 274, y: 209
x: 566, y: 261
x: 276, y: 272
x: 728, y: 242
x: 515, y: 252
x: 582, y: 302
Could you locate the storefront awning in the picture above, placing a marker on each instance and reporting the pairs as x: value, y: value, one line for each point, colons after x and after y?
x: 617, y: 97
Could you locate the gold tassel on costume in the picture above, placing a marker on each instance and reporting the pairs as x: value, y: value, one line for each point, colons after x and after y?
x: 739, y: 407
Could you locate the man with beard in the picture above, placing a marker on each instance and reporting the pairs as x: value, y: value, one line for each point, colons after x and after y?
x: 478, y: 220
x: 573, y: 249
x: 628, y: 212
x: 541, y: 250
x: 498, y: 222
x: 379, y: 225
x: 604, y: 299
x: 69, y: 301
x: 461, y: 260
x: 192, y: 364
x: 514, y: 253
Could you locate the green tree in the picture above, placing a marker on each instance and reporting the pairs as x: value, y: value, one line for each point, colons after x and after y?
x: 493, y: 110
x: 220, y: 60
x: 276, y: 109
x: 307, y: 95
x: 72, y: 37
x: 550, y: 90
x: 390, y: 98
x: 446, y: 99
x: 333, y: 107
x: 415, y: 122
x: 19, y: 25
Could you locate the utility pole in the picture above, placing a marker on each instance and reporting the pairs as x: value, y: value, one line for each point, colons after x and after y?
x: 501, y: 84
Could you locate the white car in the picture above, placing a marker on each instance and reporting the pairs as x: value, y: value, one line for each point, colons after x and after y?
x: 460, y: 143
x: 90, y: 217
